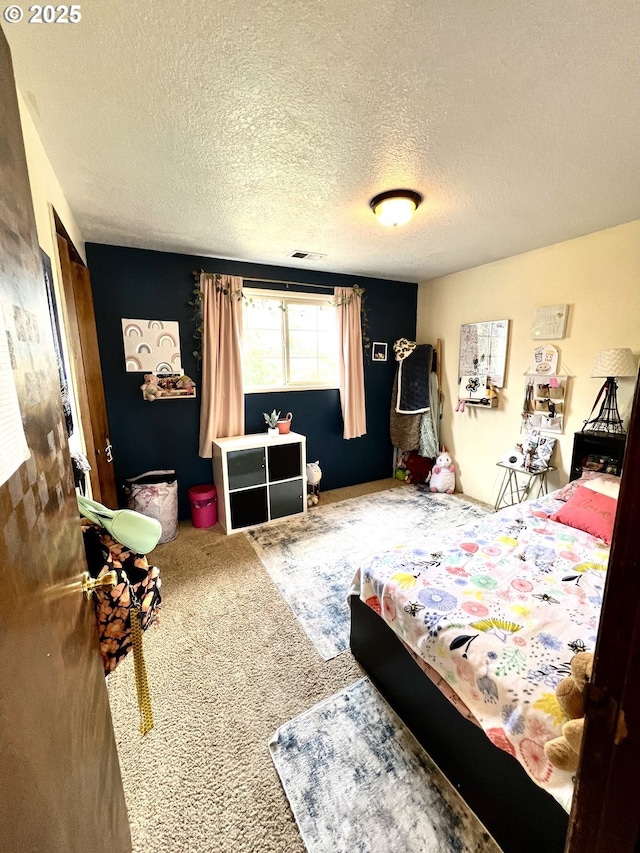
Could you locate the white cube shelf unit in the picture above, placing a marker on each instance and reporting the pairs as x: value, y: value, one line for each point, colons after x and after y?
x: 259, y: 479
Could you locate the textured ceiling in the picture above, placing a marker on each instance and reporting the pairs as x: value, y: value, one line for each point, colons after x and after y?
x: 248, y: 130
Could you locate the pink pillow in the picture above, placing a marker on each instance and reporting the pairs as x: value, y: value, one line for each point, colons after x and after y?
x: 589, y: 511
x: 569, y: 490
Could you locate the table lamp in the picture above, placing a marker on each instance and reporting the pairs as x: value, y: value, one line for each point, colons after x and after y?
x: 609, y: 364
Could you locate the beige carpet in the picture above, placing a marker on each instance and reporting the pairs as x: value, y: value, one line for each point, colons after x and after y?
x: 228, y: 665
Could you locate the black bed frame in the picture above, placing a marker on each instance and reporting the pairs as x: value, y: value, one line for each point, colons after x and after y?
x: 521, y: 816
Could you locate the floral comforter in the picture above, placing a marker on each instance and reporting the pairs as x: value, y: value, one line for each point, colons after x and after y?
x: 498, y: 608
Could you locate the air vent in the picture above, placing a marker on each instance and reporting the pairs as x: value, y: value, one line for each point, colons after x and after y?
x: 306, y: 256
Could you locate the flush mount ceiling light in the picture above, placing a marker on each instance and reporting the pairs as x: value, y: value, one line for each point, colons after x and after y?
x: 395, y: 207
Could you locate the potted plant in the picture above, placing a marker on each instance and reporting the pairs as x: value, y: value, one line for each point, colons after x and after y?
x: 284, y: 424
x: 271, y: 421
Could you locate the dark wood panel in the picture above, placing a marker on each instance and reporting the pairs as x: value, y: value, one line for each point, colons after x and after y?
x: 606, y: 813
x: 88, y: 339
x: 60, y: 787
x: 77, y: 364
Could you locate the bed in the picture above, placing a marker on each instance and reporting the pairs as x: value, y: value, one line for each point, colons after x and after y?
x: 467, y: 634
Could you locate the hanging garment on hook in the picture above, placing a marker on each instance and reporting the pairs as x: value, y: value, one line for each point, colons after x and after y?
x: 404, y: 429
x: 428, y: 440
x: 403, y: 348
x: 414, y: 374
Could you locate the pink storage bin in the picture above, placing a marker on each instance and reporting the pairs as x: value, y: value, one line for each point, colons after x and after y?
x: 204, y: 505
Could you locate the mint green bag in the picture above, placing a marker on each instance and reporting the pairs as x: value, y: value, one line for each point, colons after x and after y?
x: 138, y: 532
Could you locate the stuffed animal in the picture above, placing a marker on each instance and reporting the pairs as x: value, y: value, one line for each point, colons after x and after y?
x: 443, y: 477
x: 150, y: 389
x: 563, y: 752
x: 314, y: 475
x: 186, y: 383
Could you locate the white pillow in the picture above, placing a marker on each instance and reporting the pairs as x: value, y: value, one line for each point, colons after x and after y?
x: 603, y: 487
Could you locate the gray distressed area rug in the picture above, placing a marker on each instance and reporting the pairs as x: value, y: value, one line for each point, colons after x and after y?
x: 313, y: 558
x: 359, y: 782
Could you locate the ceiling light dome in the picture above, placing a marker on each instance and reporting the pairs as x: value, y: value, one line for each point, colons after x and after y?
x: 395, y: 207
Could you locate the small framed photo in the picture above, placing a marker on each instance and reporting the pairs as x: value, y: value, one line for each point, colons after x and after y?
x: 379, y: 352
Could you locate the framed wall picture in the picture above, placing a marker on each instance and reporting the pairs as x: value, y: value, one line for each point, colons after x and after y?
x: 550, y: 322
x: 483, y: 350
x: 379, y: 351
x: 151, y: 346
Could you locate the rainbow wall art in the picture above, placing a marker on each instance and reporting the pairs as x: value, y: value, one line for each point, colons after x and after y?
x: 151, y: 346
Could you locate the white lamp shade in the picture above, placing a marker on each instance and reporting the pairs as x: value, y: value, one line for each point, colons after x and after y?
x: 615, y: 362
x: 394, y: 211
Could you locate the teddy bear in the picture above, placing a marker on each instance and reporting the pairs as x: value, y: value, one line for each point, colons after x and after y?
x: 150, y: 389
x: 443, y: 477
x: 564, y: 751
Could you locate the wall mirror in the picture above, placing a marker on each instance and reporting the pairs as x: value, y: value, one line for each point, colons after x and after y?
x: 483, y: 350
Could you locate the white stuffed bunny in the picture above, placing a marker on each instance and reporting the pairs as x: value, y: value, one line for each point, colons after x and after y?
x: 443, y: 477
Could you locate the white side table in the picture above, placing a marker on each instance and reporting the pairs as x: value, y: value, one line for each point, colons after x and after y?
x: 514, y: 490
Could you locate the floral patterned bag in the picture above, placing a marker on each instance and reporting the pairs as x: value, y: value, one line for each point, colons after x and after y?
x: 138, y: 587
x: 125, y: 610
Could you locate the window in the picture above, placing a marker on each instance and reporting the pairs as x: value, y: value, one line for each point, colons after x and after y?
x: 290, y: 341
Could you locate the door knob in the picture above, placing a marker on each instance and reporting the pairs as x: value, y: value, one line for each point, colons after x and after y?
x: 90, y: 584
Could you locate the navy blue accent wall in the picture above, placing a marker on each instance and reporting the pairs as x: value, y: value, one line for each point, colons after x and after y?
x: 143, y: 284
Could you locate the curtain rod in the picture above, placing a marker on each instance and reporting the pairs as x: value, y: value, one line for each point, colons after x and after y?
x: 197, y: 273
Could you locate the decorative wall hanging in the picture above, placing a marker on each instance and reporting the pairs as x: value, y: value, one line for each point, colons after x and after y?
x: 483, y: 351
x: 544, y: 361
x: 151, y: 346
x: 545, y: 392
x: 476, y: 391
x: 550, y: 322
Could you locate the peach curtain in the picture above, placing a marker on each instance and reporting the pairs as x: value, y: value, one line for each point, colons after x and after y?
x: 348, y: 307
x: 222, y: 398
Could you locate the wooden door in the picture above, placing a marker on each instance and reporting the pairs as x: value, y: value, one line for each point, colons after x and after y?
x: 87, y: 373
x: 606, y: 807
x: 60, y: 785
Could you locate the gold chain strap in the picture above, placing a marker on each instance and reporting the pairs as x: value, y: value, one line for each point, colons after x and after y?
x: 142, y: 685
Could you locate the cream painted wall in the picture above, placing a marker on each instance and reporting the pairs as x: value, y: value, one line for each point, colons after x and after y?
x: 46, y: 190
x: 47, y: 194
x: 598, y: 276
